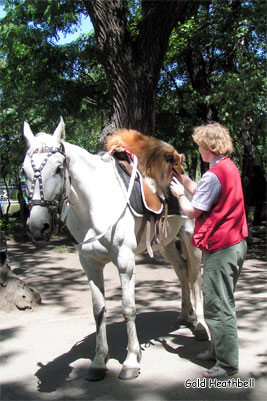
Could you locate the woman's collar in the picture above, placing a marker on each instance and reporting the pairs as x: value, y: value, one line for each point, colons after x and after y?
x: 216, y: 160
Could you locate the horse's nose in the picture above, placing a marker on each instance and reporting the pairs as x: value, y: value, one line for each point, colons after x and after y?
x: 39, y: 232
x: 46, y: 228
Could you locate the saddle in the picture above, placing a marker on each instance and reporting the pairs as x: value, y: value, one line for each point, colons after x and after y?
x: 144, y: 201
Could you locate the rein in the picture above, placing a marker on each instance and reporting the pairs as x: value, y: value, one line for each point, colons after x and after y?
x: 38, y: 177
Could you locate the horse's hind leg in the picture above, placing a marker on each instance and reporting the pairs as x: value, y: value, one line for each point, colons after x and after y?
x: 193, y: 259
x: 131, y: 365
x: 94, y: 271
x: 173, y: 256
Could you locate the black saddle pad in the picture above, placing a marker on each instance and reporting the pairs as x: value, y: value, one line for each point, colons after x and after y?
x: 136, y: 200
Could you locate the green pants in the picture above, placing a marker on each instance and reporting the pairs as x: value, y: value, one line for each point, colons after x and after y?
x: 221, y: 272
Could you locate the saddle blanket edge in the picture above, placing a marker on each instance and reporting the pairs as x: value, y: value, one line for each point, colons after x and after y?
x: 137, y: 202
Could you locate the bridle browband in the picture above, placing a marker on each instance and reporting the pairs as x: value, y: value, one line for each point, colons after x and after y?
x: 38, y: 177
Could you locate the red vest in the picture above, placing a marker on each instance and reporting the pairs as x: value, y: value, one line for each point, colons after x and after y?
x: 225, y: 224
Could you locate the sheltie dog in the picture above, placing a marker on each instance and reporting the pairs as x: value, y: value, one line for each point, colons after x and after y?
x: 156, y: 159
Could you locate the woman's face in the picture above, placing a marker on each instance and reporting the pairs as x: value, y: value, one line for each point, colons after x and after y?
x: 207, y: 155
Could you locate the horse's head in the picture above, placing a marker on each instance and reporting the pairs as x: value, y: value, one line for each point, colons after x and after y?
x: 44, y: 169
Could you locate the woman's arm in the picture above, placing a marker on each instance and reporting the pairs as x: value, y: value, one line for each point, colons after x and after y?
x: 178, y: 190
x: 190, y: 211
x: 190, y: 185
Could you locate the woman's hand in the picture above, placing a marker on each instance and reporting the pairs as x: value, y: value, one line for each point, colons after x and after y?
x: 176, y: 188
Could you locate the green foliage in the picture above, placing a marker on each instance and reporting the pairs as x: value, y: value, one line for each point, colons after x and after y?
x: 41, y: 80
x: 215, y: 64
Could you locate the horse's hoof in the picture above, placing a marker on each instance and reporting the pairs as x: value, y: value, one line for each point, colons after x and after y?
x: 129, y: 373
x: 96, y: 374
x: 201, y: 333
x: 182, y: 321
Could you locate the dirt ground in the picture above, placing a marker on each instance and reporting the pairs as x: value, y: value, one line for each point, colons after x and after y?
x: 46, y: 352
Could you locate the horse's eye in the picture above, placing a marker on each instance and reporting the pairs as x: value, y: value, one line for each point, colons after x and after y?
x: 59, y: 170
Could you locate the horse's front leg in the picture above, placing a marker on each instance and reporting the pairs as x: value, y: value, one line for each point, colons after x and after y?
x: 94, y: 271
x: 131, y: 365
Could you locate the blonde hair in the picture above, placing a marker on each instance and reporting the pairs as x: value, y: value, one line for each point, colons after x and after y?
x: 214, y: 137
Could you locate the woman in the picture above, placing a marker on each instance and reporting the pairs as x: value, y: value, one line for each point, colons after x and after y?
x: 220, y: 229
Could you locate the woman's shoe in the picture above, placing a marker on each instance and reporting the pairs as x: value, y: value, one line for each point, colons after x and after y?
x: 217, y: 372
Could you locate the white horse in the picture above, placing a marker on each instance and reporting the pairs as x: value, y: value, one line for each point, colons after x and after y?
x: 101, y: 221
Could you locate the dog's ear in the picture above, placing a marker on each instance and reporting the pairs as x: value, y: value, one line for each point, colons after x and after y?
x: 169, y: 157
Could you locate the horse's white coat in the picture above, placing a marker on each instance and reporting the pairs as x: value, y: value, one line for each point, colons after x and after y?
x: 97, y: 200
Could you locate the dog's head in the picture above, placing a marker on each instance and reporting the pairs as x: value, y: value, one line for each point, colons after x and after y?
x: 174, y: 161
x: 164, y: 163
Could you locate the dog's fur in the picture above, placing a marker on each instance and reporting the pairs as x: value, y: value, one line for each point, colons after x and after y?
x: 156, y: 159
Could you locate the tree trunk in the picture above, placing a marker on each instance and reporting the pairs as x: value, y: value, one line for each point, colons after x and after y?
x: 248, y: 165
x: 5, y: 223
x: 23, y: 206
x: 191, y: 166
x: 132, y: 60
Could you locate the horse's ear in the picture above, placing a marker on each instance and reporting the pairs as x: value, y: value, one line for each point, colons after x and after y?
x: 59, y: 133
x: 28, y: 135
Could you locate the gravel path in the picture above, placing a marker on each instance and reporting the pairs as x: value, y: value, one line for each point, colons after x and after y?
x: 46, y: 352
